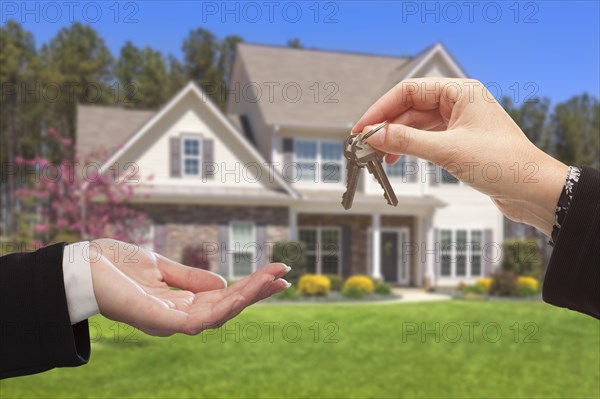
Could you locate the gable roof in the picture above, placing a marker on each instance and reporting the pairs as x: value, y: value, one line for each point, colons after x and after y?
x: 347, y: 83
x: 203, y: 100
x: 107, y: 127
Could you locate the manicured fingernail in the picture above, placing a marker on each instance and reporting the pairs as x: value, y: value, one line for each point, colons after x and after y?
x: 287, y: 283
x: 287, y: 268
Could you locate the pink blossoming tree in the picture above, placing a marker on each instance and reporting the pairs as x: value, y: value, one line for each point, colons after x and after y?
x: 78, y: 200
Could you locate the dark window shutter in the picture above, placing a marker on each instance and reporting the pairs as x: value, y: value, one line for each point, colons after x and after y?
x: 413, y: 166
x: 175, y: 156
x: 207, y: 158
x: 222, y: 244
x: 488, y: 251
x: 288, y: 151
x: 261, y: 243
x: 346, y: 252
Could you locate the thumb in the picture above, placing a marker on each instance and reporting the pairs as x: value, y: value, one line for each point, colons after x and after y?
x: 401, y: 139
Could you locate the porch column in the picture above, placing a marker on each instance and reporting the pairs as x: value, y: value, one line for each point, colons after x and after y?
x: 430, y: 252
x: 293, y: 225
x: 376, y: 253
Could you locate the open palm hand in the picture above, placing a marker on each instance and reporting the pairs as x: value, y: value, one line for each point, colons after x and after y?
x: 133, y: 285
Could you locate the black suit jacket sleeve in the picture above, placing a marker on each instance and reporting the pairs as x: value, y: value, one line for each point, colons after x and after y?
x: 573, y: 276
x: 35, y: 329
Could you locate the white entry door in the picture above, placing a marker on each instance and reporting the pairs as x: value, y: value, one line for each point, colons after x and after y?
x: 395, y: 262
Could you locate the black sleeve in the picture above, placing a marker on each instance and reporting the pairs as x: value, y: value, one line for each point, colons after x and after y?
x: 573, y: 276
x: 35, y: 330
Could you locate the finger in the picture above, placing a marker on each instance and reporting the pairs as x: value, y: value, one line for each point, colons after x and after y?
x: 272, y: 289
x: 391, y: 159
x: 188, y: 278
x: 399, y: 139
x: 275, y: 270
x: 419, y: 94
x: 423, y: 120
x: 251, y: 293
x: 230, y: 306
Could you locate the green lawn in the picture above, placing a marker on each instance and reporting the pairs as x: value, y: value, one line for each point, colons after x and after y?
x: 359, y: 351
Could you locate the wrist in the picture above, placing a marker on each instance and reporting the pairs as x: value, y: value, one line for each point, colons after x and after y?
x: 543, y: 194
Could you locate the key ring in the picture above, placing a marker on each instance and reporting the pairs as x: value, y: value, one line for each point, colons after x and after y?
x: 374, y: 130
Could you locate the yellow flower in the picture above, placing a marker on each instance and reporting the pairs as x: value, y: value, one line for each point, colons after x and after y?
x: 362, y: 282
x: 528, y: 282
x: 314, y: 284
x: 485, y: 283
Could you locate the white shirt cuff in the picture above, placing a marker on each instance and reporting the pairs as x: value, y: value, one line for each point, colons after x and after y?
x: 79, y: 288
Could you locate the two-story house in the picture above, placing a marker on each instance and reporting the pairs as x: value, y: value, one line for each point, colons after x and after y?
x: 272, y: 169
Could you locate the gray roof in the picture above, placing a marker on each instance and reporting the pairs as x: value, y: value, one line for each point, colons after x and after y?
x: 356, y: 81
x: 101, y: 127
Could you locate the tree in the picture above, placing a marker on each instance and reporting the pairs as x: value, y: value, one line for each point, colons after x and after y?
x: 177, y: 77
x: 142, y: 75
x: 18, y: 125
x: 200, y: 54
x: 295, y: 43
x: 209, y: 62
x: 575, y: 127
x: 81, y: 64
x: 67, y: 201
x: 128, y: 67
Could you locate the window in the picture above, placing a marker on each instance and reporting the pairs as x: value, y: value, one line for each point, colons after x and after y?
x: 191, y: 150
x: 461, y: 253
x: 306, y: 156
x: 319, y: 160
x: 242, y: 248
x: 323, y: 249
x: 396, y: 170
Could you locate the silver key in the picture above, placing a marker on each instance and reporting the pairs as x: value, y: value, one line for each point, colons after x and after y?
x: 352, y: 170
x: 375, y: 167
x: 359, y: 154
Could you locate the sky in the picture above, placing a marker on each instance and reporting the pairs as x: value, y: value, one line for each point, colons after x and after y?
x: 519, y: 49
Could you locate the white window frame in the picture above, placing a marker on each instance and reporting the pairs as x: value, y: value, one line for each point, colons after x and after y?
x: 198, y: 138
x: 318, y: 252
x: 319, y: 161
x: 231, y: 248
x: 454, y: 251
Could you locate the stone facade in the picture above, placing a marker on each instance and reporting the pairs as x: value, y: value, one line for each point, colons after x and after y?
x: 178, y: 226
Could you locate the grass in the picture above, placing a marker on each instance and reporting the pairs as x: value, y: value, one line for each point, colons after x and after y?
x: 344, y: 351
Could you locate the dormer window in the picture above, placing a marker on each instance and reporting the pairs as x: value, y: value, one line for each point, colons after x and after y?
x: 191, y: 150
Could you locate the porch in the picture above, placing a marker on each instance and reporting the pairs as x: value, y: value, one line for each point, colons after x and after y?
x: 385, y: 246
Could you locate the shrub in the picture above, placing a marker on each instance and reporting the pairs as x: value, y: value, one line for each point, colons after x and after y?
x: 337, y: 282
x: 383, y: 288
x: 293, y: 254
x: 353, y: 291
x: 289, y: 294
x: 528, y: 286
x: 314, y: 284
x: 475, y: 289
x: 194, y: 256
x: 461, y: 287
x: 524, y: 257
x: 485, y: 283
x: 504, y: 283
x: 360, y: 281
x: 524, y: 281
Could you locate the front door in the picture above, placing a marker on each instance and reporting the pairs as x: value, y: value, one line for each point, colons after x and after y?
x: 394, y: 264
